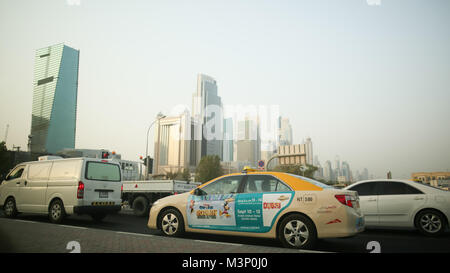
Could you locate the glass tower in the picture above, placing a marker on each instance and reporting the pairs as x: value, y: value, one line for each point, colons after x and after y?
x: 207, y: 111
x: 55, y: 86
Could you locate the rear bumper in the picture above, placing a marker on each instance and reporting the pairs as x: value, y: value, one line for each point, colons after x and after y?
x: 96, y: 209
x: 347, y: 224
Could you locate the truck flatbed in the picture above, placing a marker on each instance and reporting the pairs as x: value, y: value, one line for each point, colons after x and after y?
x: 141, y: 194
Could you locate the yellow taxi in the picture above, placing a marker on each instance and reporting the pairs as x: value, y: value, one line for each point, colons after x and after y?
x: 295, y: 209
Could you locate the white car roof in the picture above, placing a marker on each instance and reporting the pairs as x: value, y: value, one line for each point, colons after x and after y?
x: 421, y: 186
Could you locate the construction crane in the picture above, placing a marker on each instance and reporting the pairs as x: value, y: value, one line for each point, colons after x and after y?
x: 6, y: 133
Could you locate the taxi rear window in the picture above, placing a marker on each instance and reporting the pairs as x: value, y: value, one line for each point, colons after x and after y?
x: 312, y: 181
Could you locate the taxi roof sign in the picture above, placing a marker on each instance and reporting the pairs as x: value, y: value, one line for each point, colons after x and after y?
x: 248, y: 169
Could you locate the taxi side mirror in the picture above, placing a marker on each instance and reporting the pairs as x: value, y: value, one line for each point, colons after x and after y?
x: 199, y: 192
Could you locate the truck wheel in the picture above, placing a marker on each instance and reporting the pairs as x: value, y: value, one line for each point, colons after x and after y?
x: 56, y: 211
x: 141, y: 206
x: 10, y: 208
x: 171, y: 223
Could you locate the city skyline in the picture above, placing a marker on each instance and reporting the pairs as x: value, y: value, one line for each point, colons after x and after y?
x: 366, y: 82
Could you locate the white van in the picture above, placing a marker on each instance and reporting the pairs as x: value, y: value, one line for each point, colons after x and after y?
x: 63, y: 187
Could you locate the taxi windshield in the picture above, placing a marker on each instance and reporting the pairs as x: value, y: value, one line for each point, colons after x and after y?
x: 312, y: 181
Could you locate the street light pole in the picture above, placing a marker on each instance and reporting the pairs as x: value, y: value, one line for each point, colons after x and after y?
x: 271, y: 158
x: 158, y: 117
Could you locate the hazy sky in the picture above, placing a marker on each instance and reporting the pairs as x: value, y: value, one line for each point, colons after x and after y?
x: 370, y: 83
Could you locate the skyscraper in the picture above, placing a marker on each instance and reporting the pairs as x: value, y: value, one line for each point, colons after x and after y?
x: 55, y: 88
x: 309, y: 151
x: 346, y: 171
x: 328, y: 171
x: 207, y: 111
x: 228, y: 140
x: 284, y: 132
x: 337, y: 170
x: 247, y: 147
x: 173, y: 144
x: 365, y: 174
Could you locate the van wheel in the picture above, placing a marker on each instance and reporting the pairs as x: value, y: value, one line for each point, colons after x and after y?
x: 297, y: 231
x: 56, y: 211
x: 10, y: 208
x: 171, y: 223
x: 98, y: 217
x: 141, y: 206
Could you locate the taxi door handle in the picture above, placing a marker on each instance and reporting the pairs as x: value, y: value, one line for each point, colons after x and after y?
x: 418, y: 198
x: 17, y: 183
x: 372, y: 199
x: 282, y: 198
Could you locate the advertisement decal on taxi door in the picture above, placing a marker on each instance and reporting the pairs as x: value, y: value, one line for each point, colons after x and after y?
x: 211, y: 211
x: 250, y: 212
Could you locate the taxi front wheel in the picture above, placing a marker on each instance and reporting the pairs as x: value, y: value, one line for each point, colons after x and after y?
x: 171, y: 223
x: 297, y: 231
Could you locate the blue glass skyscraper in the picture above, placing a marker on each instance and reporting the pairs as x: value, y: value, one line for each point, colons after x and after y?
x: 55, y: 88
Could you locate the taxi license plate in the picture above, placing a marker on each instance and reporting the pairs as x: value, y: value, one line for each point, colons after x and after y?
x: 103, y: 194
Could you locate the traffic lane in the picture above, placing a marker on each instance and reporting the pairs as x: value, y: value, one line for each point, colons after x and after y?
x: 390, y: 241
x: 38, y: 237
x: 115, y: 222
x: 405, y: 241
x: 126, y: 222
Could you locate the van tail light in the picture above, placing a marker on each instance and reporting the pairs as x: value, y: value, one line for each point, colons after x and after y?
x: 345, y: 199
x: 121, y: 190
x: 80, y: 190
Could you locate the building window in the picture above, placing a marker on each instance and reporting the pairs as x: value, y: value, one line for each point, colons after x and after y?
x: 45, y: 55
x: 46, y: 80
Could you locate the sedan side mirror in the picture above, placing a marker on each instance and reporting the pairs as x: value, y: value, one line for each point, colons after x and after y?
x: 199, y: 192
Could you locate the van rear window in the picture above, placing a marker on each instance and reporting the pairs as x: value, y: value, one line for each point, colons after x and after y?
x: 102, y: 171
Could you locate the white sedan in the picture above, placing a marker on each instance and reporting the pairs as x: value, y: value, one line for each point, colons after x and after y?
x: 403, y: 203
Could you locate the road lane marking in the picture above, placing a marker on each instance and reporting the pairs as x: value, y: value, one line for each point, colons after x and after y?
x: 313, y: 251
x: 132, y: 233
x: 73, y: 227
x: 24, y: 221
x: 219, y: 243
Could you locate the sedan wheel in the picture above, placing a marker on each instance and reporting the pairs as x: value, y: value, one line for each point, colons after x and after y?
x: 297, y: 231
x: 171, y: 223
x: 430, y: 223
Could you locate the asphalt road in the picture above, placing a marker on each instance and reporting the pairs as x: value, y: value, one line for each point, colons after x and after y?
x: 386, y: 241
